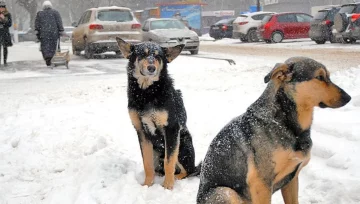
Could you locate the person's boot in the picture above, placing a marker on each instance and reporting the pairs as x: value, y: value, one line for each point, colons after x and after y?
x: 48, y: 61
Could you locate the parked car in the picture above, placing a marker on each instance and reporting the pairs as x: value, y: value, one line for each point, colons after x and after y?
x: 25, y: 35
x: 97, y: 29
x: 347, y: 23
x: 321, y: 25
x: 245, y: 26
x: 277, y: 27
x: 68, y: 31
x: 169, y: 32
x: 222, y: 29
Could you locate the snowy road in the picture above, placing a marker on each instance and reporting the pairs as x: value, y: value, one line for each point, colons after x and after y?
x: 66, y: 137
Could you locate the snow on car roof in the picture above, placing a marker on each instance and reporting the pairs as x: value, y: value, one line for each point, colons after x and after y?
x: 258, y: 12
x: 111, y: 7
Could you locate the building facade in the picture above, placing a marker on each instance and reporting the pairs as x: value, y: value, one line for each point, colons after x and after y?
x: 298, y: 5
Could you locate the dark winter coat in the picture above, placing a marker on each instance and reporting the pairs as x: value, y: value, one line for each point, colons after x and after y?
x: 48, y: 25
x: 5, y: 37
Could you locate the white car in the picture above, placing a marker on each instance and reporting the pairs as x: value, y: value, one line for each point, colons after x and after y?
x: 169, y: 32
x: 245, y: 26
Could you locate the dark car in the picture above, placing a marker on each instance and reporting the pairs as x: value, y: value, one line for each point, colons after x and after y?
x: 222, y: 29
x: 280, y: 26
x: 347, y: 23
x: 321, y: 25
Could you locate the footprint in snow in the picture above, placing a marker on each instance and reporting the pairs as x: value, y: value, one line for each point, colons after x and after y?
x: 338, y: 161
x: 99, y: 145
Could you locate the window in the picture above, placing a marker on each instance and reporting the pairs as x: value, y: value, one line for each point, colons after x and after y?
x: 332, y: 14
x: 166, y: 24
x: 114, y: 15
x: 87, y: 17
x: 302, y: 18
x: 347, y: 9
x: 259, y: 17
x: 266, y: 19
x: 321, y: 15
x: 357, y: 10
x: 225, y: 21
x: 287, y: 18
x: 82, y: 19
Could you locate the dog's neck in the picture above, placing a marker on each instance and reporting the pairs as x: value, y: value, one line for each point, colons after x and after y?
x: 156, y: 93
x: 275, y: 103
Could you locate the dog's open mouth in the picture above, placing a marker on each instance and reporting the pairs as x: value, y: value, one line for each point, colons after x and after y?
x: 323, y: 105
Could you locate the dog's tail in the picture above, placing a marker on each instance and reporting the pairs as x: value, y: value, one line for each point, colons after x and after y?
x: 196, y: 171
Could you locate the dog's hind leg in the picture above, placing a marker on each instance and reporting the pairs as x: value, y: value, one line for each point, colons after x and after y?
x: 223, y: 195
x: 146, y: 149
x: 186, y: 155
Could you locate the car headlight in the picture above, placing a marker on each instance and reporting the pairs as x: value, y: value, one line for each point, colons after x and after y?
x: 195, y: 38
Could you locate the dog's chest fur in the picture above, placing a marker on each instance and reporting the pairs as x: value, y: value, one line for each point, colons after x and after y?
x: 153, y: 119
x: 285, y: 152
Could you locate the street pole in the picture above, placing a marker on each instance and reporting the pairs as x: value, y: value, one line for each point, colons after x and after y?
x: 258, y: 5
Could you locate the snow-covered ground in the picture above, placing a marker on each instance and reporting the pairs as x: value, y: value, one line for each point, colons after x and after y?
x: 66, y: 137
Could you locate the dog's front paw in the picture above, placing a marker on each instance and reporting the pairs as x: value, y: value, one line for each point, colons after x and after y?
x: 148, y: 182
x: 169, y: 183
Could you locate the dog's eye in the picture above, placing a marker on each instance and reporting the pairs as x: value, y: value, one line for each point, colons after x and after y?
x: 321, y: 78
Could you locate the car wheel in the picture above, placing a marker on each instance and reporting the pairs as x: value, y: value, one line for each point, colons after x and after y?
x: 88, y: 52
x: 352, y: 40
x: 320, y: 41
x: 75, y: 51
x: 277, y: 37
x: 252, y: 36
x: 243, y: 39
x: 194, y: 52
x: 347, y: 40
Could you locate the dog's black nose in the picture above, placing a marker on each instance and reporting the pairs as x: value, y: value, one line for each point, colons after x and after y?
x: 345, y: 98
x: 151, y: 68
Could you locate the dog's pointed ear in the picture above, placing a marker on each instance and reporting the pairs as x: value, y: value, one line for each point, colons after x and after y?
x: 281, y: 72
x: 125, y: 48
x: 172, y: 52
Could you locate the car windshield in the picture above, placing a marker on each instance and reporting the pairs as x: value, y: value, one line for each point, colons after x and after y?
x: 266, y: 18
x: 224, y: 21
x: 320, y: 15
x: 347, y: 9
x: 166, y: 24
x: 114, y: 15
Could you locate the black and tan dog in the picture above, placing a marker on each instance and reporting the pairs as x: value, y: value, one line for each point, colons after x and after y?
x: 157, y: 112
x: 264, y: 149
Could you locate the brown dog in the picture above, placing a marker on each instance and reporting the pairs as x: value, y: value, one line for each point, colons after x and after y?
x: 264, y: 149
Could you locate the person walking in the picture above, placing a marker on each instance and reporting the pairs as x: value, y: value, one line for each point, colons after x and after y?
x: 5, y: 24
x: 49, y: 28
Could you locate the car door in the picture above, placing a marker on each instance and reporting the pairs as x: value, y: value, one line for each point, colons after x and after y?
x: 145, y: 31
x: 287, y: 24
x: 303, y: 25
